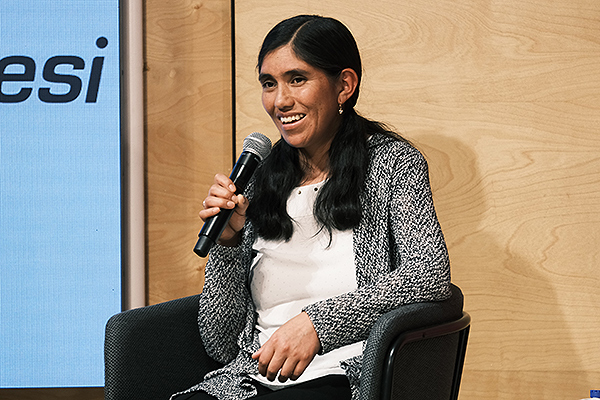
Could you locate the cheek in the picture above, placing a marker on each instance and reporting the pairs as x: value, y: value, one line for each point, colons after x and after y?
x: 328, y: 112
x: 267, y: 104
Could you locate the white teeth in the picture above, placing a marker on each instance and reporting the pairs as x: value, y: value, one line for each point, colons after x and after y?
x: 287, y: 120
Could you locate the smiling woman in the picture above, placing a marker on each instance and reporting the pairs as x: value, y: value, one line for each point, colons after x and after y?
x: 303, y: 102
x: 337, y: 228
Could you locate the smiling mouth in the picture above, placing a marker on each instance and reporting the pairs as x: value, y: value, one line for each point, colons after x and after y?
x: 291, y: 119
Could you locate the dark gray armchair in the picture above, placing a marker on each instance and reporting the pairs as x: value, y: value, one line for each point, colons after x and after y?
x: 414, y: 352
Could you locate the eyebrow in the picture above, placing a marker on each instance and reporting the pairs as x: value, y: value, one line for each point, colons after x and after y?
x: 264, y: 77
x: 292, y: 72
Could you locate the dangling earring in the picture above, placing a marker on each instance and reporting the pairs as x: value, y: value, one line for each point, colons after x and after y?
x: 341, y: 109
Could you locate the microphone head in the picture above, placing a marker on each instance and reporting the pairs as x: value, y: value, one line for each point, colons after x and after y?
x: 257, y: 143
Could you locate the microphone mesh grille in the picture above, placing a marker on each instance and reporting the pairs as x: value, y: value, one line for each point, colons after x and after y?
x: 259, y: 144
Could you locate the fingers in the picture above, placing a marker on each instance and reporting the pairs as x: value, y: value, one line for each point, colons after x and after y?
x: 265, y: 360
x: 224, y: 181
x: 241, y: 203
x: 269, y: 365
x: 288, y: 371
x: 282, y: 365
x: 289, y: 350
x: 220, y: 195
x: 264, y: 355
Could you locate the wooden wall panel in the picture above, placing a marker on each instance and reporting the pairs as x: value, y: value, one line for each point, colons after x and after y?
x: 503, y: 98
x: 188, y: 94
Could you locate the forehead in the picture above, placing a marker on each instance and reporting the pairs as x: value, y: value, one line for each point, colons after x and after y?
x: 281, y: 60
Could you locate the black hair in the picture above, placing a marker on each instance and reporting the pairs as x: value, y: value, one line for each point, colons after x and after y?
x: 328, y: 45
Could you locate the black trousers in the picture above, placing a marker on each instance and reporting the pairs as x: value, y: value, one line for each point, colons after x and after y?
x: 330, y: 387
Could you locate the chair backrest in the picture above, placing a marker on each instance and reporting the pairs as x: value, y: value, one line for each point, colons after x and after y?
x: 416, y: 351
x: 427, y: 363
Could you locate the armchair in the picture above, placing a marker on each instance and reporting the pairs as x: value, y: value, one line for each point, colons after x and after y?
x: 413, y: 352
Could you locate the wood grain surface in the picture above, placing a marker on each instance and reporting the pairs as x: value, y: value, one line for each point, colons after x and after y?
x: 503, y: 98
x: 188, y: 84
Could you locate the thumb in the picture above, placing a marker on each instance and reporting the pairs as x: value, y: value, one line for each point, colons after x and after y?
x: 257, y: 353
x: 242, y: 204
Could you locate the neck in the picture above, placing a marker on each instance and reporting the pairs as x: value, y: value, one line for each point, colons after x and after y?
x: 316, y: 169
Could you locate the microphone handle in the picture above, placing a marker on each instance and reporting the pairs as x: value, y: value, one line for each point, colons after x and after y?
x: 214, y: 226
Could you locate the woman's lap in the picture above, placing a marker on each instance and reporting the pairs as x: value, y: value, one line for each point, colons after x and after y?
x: 331, y: 387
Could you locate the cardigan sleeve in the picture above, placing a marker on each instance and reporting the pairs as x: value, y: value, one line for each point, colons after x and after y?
x: 225, y: 305
x: 418, y: 267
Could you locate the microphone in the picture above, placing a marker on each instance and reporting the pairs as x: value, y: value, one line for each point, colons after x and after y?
x: 255, y: 149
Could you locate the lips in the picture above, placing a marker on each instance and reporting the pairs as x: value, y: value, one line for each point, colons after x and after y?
x: 291, y: 118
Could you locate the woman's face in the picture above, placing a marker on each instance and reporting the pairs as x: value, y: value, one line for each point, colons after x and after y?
x: 301, y: 99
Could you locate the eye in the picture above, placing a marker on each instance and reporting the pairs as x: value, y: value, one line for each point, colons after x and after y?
x: 298, y: 80
x: 267, y: 84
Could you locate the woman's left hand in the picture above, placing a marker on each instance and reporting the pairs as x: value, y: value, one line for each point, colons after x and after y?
x: 289, y: 350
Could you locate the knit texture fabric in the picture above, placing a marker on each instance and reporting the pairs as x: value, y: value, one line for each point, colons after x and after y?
x: 400, y: 257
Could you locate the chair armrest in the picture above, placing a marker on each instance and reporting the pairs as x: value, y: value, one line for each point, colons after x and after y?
x: 392, y: 324
x: 153, y: 352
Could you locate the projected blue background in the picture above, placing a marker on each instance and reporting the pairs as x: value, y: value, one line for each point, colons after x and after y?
x: 60, y: 193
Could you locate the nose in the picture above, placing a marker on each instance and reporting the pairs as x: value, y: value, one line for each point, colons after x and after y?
x: 283, y: 98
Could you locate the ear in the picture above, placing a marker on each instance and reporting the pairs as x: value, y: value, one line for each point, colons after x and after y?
x: 348, y: 81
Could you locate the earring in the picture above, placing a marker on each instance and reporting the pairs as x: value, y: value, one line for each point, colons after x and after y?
x: 341, y: 109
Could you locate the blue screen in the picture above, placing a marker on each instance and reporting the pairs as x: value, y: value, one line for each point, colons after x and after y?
x: 60, y: 189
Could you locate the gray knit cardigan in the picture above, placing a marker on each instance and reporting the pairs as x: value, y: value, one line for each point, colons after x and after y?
x: 400, y: 258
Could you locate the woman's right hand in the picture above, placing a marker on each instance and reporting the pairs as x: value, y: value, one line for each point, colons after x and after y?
x: 222, y: 195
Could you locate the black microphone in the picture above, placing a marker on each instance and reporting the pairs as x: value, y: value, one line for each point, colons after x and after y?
x: 256, y: 148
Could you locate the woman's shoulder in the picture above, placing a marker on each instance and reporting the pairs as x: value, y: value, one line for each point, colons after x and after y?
x: 393, y: 148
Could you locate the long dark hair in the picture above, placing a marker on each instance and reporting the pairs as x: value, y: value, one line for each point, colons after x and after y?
x: 327, y: 44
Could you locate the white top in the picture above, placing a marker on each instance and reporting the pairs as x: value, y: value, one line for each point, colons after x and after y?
x: 287, y: 276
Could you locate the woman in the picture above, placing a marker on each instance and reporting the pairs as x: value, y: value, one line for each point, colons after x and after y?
x: 337, y: 228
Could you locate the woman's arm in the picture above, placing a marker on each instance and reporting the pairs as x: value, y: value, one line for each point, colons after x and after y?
x: 419, y: 268
x: 225, y: 302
